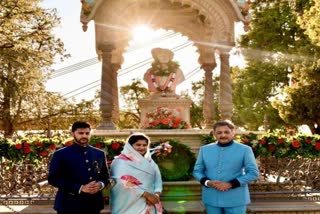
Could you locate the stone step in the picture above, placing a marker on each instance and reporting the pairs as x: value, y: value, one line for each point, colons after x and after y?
x: 191, y: 207
x: 181, y: 191
x: 292, y: 207
x: 187, y: 207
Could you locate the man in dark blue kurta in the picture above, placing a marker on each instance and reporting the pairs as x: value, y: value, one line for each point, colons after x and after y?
x: 80, y: 173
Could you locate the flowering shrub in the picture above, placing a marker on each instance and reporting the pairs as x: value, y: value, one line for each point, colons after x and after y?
x: 112, y: 147
x: 165, y: 118
x: 279, y: 146
x: 33, y: 149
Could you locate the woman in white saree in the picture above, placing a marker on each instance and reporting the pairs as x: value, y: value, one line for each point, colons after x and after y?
x: 138, y: 179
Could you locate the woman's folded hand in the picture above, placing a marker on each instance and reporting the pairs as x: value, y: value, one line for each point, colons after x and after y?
x: 151, y: 198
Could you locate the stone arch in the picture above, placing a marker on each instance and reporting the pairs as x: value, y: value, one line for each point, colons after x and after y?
x: 208, y: 23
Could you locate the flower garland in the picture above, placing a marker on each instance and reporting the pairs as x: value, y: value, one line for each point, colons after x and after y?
x: 163, y: 69
x: 164, y: 87
x: 176, y: 165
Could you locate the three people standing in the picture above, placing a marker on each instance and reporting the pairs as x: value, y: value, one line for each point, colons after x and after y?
x: 225, y: 169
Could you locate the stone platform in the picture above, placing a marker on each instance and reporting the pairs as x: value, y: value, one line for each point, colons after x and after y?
x: 185, y: 197
x: 192, y: 207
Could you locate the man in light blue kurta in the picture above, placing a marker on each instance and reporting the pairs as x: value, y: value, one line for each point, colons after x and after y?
x: 224, y: 169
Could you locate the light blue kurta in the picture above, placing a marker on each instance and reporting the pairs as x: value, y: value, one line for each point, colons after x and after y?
x: 236, y: 161
x: 133, y: 174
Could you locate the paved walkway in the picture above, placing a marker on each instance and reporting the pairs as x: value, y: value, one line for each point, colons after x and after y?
x: 190, y: 207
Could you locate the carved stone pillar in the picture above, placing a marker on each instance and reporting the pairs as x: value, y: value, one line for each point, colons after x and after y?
x: 226, y: 104
x: 115, y: 68
x: 208, y: 108
x: 109, y: 106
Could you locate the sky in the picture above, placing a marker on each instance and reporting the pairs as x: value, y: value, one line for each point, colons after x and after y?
x: 83, y: 83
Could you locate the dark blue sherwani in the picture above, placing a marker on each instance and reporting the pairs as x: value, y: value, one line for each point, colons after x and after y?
x: 71, y: 167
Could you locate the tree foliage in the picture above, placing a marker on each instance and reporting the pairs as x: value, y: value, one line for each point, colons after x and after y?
x: 309, y: 19
x: 253, y: 88
x: 27, y: 49
x: 132, y: 93
x: 282, y: 61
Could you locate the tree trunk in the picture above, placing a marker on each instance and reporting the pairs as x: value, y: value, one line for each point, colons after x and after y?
x: 8, y: 126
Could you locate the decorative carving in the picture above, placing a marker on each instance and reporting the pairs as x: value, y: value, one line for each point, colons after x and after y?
x: 226, y: 104
x: 208, y: 108
x: 245, y: 11
x: 109, y: 89
x: 86, y: 7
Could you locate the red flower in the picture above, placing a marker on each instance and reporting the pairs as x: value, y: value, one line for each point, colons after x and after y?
x: 18, y: 146
x: 36, y: 143
x: 39, y: 144
x: 26, y: 150
x: 280, y: 140
x: 26, y: 144
x: 178, y: 120
x: 153, y: 123
x: 98, y: 145
x: 69, y: 143
x: 262, y: 142
x: 52, y: 147
x: 308, y: 141
x: 43, y: 153
x: 271, y: 147
x: 175, y: 125
x: 245, y: 140
x: 317, y: 146
x: 295, y: 144
x: 115, y: 146
x: 165, y: 121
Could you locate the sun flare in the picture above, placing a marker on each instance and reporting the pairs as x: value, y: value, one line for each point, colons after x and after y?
x: 142, y: 33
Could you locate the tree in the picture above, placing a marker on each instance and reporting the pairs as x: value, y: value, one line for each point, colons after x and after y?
x: 309, y: 19
x: 297, y: 108
x: 130, y: 118
x: 253, y: 87
x: 279, y: 54
x: 27, y: 49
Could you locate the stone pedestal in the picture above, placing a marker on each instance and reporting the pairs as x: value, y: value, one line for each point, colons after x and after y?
x: 180, y: 106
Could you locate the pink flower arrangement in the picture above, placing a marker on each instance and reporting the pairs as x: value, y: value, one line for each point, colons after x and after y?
x: 165, y: 118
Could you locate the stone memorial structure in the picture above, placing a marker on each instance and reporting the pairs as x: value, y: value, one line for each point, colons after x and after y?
x: 162, y: 79
x: 209, y: 24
